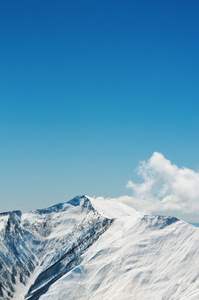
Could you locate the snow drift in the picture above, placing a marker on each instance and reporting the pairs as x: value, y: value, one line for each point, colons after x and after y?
x: 91, y: 249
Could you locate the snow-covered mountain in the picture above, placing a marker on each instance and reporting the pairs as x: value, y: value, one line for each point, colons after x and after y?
x: 92, y: 249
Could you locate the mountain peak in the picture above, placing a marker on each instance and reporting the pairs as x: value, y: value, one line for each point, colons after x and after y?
x: 79, y: 200
x: 96, y: 249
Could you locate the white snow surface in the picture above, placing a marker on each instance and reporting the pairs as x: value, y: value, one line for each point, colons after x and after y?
x: 93, y: 249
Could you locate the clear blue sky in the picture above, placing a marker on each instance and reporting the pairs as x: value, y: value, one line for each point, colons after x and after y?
x: 90, y: 88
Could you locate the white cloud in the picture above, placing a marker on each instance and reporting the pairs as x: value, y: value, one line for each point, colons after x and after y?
x: 166, y: 189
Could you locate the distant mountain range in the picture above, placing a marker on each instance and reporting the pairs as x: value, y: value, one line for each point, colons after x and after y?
x: 90, y: 249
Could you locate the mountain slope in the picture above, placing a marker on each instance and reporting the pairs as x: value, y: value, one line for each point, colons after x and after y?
x: 38, y: 248
x: 91, y: 249
x: 139, y: 257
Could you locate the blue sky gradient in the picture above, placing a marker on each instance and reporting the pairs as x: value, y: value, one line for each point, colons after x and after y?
x: 90, y: 88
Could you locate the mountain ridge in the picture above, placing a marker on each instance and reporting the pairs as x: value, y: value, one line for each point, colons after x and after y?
x: 83, y: 248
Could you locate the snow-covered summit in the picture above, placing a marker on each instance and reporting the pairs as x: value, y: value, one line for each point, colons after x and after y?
x: 92, y: 249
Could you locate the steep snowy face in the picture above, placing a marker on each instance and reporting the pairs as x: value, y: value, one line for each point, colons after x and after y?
x: 139, y: 257
x: 17, y: 260
x: 90, y: 249
x: 38, y: 248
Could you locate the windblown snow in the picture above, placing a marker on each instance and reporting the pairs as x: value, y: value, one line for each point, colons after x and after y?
x: 92, y: 249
